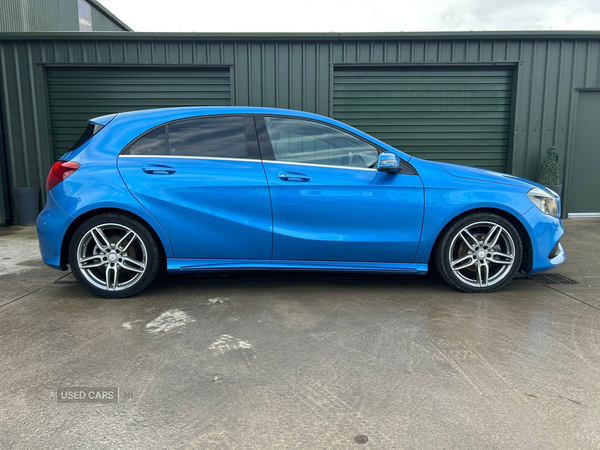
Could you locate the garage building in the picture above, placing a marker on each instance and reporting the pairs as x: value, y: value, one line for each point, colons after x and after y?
x: 494, y: 100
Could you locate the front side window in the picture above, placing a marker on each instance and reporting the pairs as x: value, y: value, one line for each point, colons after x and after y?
x: 307, y: 142
x: 210, y: 137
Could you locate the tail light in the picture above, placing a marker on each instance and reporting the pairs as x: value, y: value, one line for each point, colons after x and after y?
x: 60, y: 171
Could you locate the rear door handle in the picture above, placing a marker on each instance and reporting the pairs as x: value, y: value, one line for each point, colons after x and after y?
x: 158, y: 169
x: 293, y: 176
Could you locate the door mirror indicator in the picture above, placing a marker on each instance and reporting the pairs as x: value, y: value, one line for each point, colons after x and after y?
x: 388, y: 162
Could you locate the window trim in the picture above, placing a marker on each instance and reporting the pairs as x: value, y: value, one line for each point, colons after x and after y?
x: 215, y: 158
x: 249, y: 132
x: 268, y: 155
x: 328, y: 166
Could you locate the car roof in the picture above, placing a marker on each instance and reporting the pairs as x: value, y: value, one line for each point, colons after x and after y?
x: 136, y: 122
x: 194, y: 111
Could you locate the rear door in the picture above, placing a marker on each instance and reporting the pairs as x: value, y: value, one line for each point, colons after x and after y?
x: 203, y: 181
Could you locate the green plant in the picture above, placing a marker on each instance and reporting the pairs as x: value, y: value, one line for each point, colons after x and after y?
x: 549, y: 173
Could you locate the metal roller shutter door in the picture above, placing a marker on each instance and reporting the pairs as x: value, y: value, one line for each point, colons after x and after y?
x: 456, y: 115
x: 76, y: 95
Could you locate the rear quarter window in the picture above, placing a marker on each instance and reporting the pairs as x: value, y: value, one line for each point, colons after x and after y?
x: 89, y: 132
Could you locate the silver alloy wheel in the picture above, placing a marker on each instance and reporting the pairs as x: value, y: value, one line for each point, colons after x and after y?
x: 482, y: 254
x: 112, y: 257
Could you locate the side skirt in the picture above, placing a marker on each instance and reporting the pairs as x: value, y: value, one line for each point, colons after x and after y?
x: 179, y: 265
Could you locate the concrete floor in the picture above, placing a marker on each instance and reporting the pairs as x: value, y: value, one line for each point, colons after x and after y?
x: 303, y: 361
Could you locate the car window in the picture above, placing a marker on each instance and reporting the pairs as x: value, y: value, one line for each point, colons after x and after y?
x: 304, y: 141
x: 89, y: 132
x: 213, y: 137
x: 152, y: 143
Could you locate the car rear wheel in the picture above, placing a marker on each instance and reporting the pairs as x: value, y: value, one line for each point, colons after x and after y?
x: 114, y: 256
x: 480, y: 252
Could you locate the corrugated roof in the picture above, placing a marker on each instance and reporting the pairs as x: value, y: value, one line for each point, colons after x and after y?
x: 434, y: 35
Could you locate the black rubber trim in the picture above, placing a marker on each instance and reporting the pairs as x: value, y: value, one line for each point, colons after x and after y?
x: 554, y: 252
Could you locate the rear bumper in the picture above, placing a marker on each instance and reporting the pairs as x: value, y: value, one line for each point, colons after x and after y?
x: 52, y: 224
x: 545, y: 232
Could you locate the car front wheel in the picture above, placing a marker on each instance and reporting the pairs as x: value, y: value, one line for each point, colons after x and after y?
x: 480, y: 252
x: 113, y: 256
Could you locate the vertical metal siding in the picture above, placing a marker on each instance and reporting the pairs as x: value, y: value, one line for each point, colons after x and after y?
x: 38, y: 15
x: 11, y: 16
x: 50, y: 15
x: 102, y: 23
x: 296, y: 74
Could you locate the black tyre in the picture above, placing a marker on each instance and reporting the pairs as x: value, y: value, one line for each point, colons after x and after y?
x: 114, y: 256
x: 479, y: 252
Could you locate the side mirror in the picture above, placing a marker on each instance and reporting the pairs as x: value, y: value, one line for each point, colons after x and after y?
x: 388, y: 162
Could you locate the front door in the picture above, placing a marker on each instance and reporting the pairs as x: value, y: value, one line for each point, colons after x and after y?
x: 329, y: 201
x: 203, y: 181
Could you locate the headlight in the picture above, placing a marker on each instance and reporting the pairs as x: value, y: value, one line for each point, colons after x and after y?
x: 544, y: 201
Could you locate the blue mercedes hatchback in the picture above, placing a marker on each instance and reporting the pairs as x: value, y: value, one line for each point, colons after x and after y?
x: 230, y: 188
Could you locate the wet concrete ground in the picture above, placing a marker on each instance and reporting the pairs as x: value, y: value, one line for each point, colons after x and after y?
x: 302, y: 361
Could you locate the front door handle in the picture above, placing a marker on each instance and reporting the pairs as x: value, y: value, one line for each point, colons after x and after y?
x: 158, y: 169
x: 293, y: 176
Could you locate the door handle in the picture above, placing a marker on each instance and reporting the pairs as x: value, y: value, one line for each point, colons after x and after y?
x: 293, y: 176
x: 158, y: 169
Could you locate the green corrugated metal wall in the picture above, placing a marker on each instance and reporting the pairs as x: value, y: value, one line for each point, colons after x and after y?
x: 100, y: 22
x: 456, y: 115
x: 49, y: 15
x: 38, y: 15
x: 297, y: 72
x: 75, y: 95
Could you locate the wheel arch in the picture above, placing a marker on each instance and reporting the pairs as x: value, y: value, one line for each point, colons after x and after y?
x: 527, y: 260
x: 64, y: 249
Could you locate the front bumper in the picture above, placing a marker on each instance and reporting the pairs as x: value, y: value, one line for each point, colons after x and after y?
x: 545, y: 232
x: 559, y: 256
x: 52, y: 224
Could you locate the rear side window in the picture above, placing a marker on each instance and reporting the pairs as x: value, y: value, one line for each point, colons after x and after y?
x: 210, y: 137
x: 89, y: 132
x: 213, y: 137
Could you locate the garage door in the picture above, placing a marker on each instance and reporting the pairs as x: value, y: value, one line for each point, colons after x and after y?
x: 76, y: 95
x: 458, y: 115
